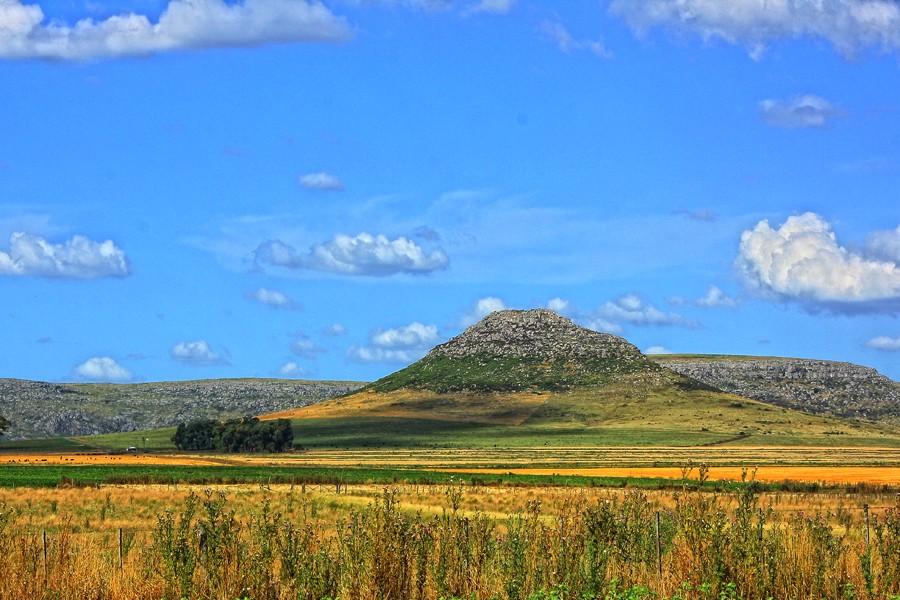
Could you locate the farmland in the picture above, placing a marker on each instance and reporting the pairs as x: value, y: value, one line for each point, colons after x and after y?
x: 451, y: 538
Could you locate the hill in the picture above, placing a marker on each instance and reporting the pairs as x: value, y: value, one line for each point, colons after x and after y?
x: 37, y: 409
x: 515, y: 350
x: 816, y: 386
x: 533, y: 377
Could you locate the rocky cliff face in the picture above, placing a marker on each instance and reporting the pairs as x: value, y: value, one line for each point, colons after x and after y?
x: 516, y: 350
x: 37, y: 409
x: 816, y: 386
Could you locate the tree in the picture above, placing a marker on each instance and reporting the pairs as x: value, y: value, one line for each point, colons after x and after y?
x: 196, y: 435
x: 246, y: 434
x: 4, y: 426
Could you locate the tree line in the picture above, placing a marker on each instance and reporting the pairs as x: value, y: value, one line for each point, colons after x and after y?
x: 247, y: 434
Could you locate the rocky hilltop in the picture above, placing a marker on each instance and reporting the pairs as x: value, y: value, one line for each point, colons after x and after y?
x: 516, y: 350
x: 536, y: 334
x: 816, y: 386
x: 37, y: 409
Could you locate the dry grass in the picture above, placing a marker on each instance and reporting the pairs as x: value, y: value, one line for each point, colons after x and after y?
x: 497, y: 409
x: 82, y: 528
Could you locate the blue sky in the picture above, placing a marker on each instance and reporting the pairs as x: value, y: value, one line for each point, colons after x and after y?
x: 281, y: 188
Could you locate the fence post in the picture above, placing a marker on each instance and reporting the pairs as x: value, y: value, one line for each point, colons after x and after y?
x: 658, y: 548
x: 44, y: 538
x: 120, y: 548
x: 866, y: 513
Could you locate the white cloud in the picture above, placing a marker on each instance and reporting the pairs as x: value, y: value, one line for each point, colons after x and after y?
x: 716, y: 298
x: 197, y: 354
x: 602, y: 325
x: 885, y: 245
x: 802, y: 261
x: 414, y: 335
x: 657, y: 350
x: 559, y: 305
x: 184, y: 24
x: 810, y: 112
x: 483, y: 307
x: 292, y: 369
x: 272, y: 298
x: 78, y: 258
x: 849, y: 25
x: 370, y: 354
x: 102, y: 368
x: 632, y: 309
x: 306, y: 348
x: 322, y: 181
x: 557, y: 33
x: 885, y: 343
x: 363, y: 254
x: 398, y: 345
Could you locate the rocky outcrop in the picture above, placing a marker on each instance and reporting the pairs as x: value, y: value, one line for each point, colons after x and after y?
x: 536, y: 334
x: 37, y: 409
x: 816, y: 386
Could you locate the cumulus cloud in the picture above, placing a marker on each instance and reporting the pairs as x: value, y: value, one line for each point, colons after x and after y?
x: 810, y: 112
x: 363, y: 254
x: 657, y: 350
x: 399, y: 345
x: 602, y: 325
x: 414, y: 335
x: 631, y: 309
x: 322, y: 181
x: 373, y: 354
x: 849, y: 25
x: 483, y: 307
x: 885, y: 245
x: 102, y: 368
x: 197, y: 354
x: 272, y: 298
x: 559, y: 305
x: 184, y: 24
x: 78, y: 258
x: 716, y: 298
x: 801, y: 260
x: 556, y: 32
x: 292, y: 369
x: 885, y: 343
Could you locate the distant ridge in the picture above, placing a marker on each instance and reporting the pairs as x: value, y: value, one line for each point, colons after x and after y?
x: 824, y: 387
x: 37, y: 409
x: 518, y: 350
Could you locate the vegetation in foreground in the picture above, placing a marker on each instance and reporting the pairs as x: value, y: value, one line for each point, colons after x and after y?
x: 573, y: 546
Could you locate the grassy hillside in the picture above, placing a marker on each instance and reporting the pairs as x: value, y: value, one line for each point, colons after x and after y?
x: 485, y: 373
x: 641, y: 409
